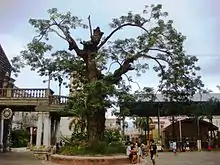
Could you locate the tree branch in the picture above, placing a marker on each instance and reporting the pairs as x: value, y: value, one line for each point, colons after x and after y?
x: 130, y: 80
x: 116, y: 61
x: 72, y: 43
x: 111, y: 66
x: 90, y: 26
x: 126, y: 66
x: 119, y: 27
x: 57, y: 33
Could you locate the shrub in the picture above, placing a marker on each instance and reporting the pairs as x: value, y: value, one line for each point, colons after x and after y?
x: 78, y: 144
x: 112, y: 135
x: 96, y: 148
x: 20, y: 138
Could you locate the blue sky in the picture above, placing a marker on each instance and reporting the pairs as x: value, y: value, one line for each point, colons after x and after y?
x: 197, y: 19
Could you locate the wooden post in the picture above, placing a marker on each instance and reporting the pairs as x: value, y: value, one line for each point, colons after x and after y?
x: 173, y: 128
x: 158, y: 123
x: 148, y: 131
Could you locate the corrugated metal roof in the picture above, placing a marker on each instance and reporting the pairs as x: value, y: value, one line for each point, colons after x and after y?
x: 196, y: 97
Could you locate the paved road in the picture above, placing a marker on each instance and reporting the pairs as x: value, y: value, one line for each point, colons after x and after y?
x: 20, y: 158
x: 194, y: 158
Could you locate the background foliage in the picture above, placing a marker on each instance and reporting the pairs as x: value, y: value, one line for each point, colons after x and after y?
x: 20, y: 138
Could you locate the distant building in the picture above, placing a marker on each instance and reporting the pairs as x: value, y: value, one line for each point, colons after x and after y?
x: 24, y: 120
x: 111, y: 123
x: 5, y: 81
x: 5, y: 67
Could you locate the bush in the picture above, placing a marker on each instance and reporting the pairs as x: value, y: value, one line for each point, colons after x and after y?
x: 97, y: 148
x: 20, y: 138
x: 112, y: 135
x: 78, y: 144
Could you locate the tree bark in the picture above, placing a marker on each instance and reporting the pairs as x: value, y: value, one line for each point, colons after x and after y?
x: 96, y: 125
x: 95, y: 117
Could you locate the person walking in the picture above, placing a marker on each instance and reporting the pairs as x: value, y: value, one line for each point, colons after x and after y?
x: 174, y: 148
x: 153, y: 151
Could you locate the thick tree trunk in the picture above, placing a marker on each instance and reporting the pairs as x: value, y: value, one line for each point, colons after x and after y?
x: 96, y: 125
x: 95, y: 117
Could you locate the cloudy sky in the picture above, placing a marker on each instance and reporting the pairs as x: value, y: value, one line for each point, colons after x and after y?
x: 197, y: 19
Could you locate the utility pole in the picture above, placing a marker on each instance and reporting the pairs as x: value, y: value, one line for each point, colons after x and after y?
x: 180, y: 129
x: 198, y: 131
x: 158, y: 121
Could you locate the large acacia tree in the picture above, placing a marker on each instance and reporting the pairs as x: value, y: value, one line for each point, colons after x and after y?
x: 91, y: 61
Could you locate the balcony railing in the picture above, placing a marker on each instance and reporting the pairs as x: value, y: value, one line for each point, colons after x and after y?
x: 23, y: 93
x: 20, y: 93
x: 29, y: 93
x: 3, y: 92
x: 56, y: 99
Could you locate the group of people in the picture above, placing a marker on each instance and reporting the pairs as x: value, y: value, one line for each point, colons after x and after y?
x: 182, y: 146
x: 137, y: 151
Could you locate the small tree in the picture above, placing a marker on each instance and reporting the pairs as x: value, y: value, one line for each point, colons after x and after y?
x: 179, y: 84
x: 123, y: 96
x: 91, y: 63
x: 141, y: 123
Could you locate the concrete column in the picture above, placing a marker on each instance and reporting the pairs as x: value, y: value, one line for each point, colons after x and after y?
x: 39, y: 129
x: 31, y: 136
x: 57, y: 129
x: 1, y: 133
x: 47, y: 130
x: 52, y: 130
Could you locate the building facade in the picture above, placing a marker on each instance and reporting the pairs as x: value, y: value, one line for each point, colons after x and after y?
x: 5, y: 81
